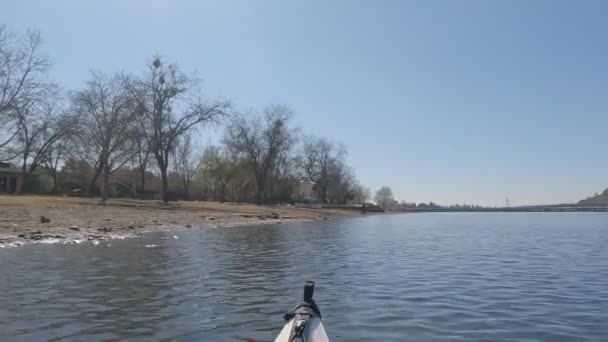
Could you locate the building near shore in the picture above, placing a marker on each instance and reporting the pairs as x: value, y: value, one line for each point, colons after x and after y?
x: 306, y: 191
x: 11, y: 178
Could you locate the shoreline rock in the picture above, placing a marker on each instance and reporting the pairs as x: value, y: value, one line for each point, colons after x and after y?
x: 96, y: 235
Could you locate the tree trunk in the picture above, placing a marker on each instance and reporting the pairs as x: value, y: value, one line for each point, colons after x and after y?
x: 323, y: 190
x: 260, y: 195
x: 142, y: 174
x: 55, y: 181
x: 204, y: 192
x: 105, y: 184
x: 186, y: 193
x: 91, y: 190
x: 165, y: 189
x: 19, y: 185
x: 222, y: 192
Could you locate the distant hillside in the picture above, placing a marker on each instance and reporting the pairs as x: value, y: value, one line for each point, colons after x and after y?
x: 598, y: 199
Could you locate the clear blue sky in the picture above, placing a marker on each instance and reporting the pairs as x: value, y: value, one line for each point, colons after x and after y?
x: 449, y: 101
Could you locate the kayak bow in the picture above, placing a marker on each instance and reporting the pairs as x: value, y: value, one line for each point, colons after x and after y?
x: 304, y: 321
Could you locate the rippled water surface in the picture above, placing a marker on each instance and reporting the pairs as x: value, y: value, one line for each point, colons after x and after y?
x: 439, y: 277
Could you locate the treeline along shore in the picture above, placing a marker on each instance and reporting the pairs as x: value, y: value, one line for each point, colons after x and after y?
x: 128, y: 151
x: 144, y: 135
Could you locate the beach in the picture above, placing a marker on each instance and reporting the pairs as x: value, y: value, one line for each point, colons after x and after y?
x: 50, y: 219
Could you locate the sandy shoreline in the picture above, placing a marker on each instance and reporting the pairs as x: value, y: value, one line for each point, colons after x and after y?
x: 74, y: 220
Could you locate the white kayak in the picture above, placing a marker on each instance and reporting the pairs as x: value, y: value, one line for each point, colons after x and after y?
x: 304, y: 321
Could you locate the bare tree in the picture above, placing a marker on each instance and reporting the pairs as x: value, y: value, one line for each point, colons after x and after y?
x: 218, y: 170
x: 384, y: 197
x: 87, y: 152
x: 360, y: 193
x: 76, y: 171
x: 283, y: 179
x: 41, y: 124
x: 107, y: 113
x: 54, y: 156
x: 23, y: 71
x: 319, y: 159
x: 142, y: 154
x: 339, y: 190
x: 8, y: 132
x: 170, y: 107
x: 262, y: 140
x: 186, y: 163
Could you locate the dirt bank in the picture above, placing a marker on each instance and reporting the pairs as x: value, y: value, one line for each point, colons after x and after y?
x: 40, y: 219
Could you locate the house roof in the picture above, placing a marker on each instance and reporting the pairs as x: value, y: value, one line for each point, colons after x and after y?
x: 8, y: 168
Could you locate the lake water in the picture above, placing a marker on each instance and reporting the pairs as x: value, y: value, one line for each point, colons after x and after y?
x: 418, y: 277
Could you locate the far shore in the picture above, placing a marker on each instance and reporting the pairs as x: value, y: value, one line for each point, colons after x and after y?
x: 23, y: 219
